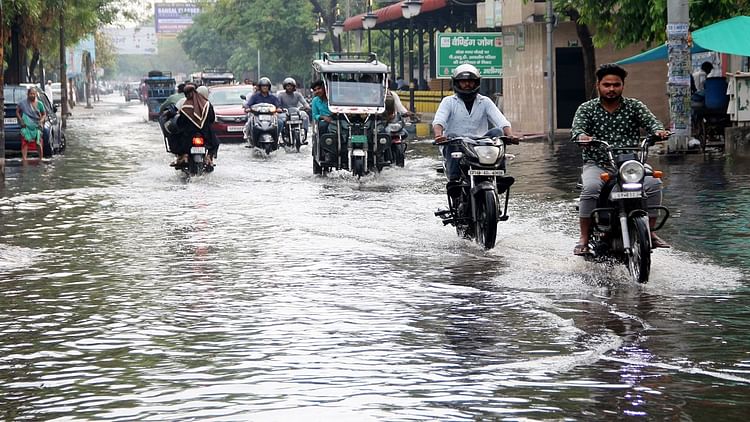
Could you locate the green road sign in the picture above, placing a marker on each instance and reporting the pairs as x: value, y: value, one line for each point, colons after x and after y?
x: 482, y: 49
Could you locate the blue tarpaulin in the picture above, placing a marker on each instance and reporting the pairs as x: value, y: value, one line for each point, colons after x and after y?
x: 729, y: 36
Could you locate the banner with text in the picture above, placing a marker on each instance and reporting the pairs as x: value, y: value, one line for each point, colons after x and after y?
x: 173, y: 18
x: 139, y: 40
x: 481, y: 49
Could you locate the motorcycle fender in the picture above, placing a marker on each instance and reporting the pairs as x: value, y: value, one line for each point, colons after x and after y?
x: 198, y: 158
x: 482, y: 186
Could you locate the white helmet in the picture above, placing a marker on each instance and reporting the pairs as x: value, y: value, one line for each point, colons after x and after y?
x: 462, y: 73
x: 288, y: 81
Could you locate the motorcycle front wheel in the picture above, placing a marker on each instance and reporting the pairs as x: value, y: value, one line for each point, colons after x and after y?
x: 358, y: 166
x: 398, y: 154
x: 297, y: 142
x: 639, y: 261
x: 486, y: 215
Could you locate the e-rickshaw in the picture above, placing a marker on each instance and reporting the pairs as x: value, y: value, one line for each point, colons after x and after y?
x: 160, y: 85
x: 355, y: 85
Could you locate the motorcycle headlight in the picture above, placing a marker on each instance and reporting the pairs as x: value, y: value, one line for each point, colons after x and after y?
x: 487, y: 154
x: 632, y: 172
x: 382, y: 141
x: 394, y: 127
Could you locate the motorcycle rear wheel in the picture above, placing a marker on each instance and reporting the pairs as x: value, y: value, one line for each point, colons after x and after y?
x: 486, y: 215
x: 195, y: 168
x: 639, y: 260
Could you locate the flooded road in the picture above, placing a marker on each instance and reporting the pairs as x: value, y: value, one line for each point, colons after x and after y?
x: 260, y: 292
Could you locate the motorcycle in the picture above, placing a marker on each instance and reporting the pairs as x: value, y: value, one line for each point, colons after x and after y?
x: 263, y: 127
x: 473, y: 199
x: 196, y: 164
x: 620, y: 228
x: 294, y: 133
x: 396, y: 153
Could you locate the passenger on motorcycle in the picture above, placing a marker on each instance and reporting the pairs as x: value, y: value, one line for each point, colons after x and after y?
x: 616, y: 120
x: 195, y: 115
x: 173, y: 99
x: 264, y: 95
x: 466, y: 113
x: 289, y: 97
x: 320, y: 111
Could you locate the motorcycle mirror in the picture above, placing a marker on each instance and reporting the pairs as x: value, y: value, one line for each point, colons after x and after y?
x: 243, y: 96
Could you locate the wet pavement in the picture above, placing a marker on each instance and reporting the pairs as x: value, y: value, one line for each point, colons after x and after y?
x: 261, y: 292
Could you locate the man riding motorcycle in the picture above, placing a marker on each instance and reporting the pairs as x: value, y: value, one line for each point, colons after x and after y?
x: 264, y: 95
x: 616, y: 120
x: 289, y: 98
x: 466, y: 113
x: 190, y: 116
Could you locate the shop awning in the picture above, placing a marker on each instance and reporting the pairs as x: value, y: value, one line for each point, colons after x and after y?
x: 391, y: 13
x: 729, y: 36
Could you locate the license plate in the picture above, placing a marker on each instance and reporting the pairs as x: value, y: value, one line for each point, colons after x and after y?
x: 198, y: 150
x: 359, y: 139
x: 11, y: 121
x: 358, y: 153
x: 235, y: 128
x: 626, y: 195
x: 486, y: 172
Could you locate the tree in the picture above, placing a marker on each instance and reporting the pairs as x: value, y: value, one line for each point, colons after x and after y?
x: 625, y: 22
x: 231, y: 32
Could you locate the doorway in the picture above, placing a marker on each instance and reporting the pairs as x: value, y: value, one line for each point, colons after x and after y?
x: 570, y: 92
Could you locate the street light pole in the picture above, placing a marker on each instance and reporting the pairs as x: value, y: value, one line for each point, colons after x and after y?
x: 409, y: 10
x: 368, y: 22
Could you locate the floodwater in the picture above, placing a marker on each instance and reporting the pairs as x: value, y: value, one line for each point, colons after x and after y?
x: 260, y: 292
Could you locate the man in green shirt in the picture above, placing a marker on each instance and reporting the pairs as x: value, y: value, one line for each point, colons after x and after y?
x: 616, y: 120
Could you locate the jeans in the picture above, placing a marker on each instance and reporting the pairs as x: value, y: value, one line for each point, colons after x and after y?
x: 452, y: 165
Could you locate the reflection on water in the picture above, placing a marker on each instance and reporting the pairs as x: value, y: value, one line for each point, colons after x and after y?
x: 260, y: 292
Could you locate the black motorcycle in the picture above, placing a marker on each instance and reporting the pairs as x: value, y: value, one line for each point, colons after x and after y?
x: 196, y: 164
x: 620, y: 228
x: 474, y: 198
x: 294, y: 133
x: 394, y: 131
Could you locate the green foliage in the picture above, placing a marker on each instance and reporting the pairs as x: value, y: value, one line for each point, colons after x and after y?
x: 623, y: 22
x: 231, y: 32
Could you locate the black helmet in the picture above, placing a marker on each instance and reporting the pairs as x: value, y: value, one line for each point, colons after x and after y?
x: 264, y: 81
x: 462, y: 73
x: 289, y: 81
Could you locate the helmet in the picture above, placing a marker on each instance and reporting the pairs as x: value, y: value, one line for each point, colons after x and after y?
x: 462, y: 73
x: 264, y: 81
x: 203, y: 90
x: 289, y: 81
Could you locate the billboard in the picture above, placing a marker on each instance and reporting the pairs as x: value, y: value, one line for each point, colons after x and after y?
x: 173, y: 18
x: 139, y: 40
x: 482, y: 49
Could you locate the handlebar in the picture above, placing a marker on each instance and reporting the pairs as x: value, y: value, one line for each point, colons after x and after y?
x: 507, y: 140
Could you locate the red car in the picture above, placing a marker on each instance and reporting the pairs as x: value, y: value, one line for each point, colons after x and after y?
x: 230, y: 117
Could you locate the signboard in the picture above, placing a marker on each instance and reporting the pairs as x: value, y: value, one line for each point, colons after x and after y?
x: 74, y: 56
x: 481, y: 49
x: 173, y: 18
x: 140, y: 40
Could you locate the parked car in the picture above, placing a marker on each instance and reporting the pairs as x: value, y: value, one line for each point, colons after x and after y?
x: 53, y: 144
x: 132, y: 91
x: 56, y: 93
x: 230, y: 116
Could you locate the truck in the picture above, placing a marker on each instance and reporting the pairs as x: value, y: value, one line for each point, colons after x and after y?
x: 210, y: 77
x: 159, y: 86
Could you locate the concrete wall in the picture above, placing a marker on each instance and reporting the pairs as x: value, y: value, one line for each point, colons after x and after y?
x: 525, y: 95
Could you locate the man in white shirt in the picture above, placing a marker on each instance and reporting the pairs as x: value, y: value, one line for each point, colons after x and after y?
x: 466, y: 113
x: 48, y: 91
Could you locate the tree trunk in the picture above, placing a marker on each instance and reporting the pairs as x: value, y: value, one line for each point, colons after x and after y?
x: 32, y: 66
x: 13, y: 73
x: 589, y: 53
x: 63, y: 70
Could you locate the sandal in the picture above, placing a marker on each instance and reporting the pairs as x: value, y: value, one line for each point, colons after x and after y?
x: 581, y: 249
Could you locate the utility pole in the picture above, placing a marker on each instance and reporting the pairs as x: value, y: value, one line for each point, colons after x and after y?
x: 678, y: 81
x: 550, y: 75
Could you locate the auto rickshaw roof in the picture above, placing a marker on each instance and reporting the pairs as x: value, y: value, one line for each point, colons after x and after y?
x: 349, y: 63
